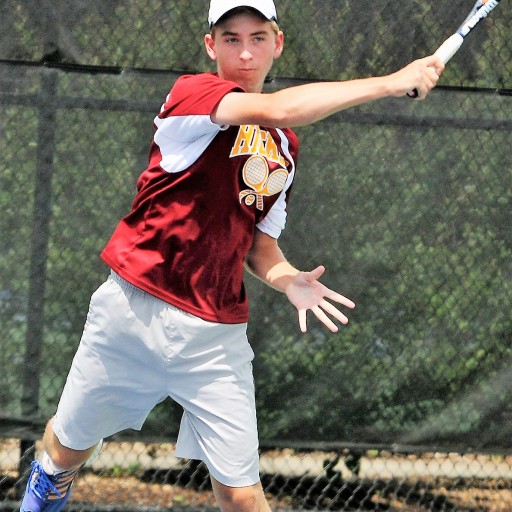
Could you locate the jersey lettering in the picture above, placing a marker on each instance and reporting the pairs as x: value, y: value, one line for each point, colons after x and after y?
x: 252, y: 140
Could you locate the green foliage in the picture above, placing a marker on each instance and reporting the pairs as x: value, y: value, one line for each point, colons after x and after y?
x: 409, y: 228
x: 326, y: 39
x: 407, y: 205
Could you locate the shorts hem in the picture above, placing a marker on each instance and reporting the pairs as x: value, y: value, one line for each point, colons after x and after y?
x: 229, y: 481
x: 235, y: 482
x: 65, y: 441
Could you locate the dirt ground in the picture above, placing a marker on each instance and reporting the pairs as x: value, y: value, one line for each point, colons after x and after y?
x: 130, y: 491
x: 137, y: 475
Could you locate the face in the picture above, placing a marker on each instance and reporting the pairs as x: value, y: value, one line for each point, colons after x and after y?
x: 244, y: 48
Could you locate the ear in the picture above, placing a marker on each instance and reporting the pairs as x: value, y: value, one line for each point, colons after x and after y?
x: 209, y: 43
x: 279, y: 45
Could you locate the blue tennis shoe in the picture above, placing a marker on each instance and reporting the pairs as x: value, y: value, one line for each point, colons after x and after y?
x: 47, y: 493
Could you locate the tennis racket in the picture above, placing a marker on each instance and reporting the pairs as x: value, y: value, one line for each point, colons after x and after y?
x: 450, y: 47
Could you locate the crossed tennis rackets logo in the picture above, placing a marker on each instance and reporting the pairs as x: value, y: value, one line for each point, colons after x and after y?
x: 263, y: 183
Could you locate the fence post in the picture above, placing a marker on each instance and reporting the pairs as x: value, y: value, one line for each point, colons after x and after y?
x: 38, y: 262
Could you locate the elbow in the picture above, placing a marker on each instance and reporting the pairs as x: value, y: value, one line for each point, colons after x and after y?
x: 280, y: 117
x: 276, y: 114
x: 284, y: 117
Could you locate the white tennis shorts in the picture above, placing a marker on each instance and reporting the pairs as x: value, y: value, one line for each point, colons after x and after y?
x: 135, y: 351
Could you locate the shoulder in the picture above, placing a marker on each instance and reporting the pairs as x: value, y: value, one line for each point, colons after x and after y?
x: 191, y: 84
x: 202, y: 91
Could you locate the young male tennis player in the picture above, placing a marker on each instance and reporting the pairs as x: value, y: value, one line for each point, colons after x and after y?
x: 171, y: 318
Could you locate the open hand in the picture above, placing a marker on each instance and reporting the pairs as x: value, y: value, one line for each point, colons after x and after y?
x: 306, y: 292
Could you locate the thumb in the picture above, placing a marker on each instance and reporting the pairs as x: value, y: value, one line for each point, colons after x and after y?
x: 433, y: 61
x: 315, y: 273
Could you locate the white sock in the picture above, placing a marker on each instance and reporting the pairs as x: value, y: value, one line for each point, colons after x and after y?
x: 50, y: 468
x: 95, y: 454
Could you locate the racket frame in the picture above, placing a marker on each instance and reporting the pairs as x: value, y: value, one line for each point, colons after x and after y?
x: 451, y: 46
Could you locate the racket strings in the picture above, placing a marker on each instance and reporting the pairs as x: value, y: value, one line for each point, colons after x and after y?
x: 256, y: 175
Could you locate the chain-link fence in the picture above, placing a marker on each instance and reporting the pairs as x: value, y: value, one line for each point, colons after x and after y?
x: 408, y: 204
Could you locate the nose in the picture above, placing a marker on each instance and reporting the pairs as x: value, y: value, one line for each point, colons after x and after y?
x: 246, y: 55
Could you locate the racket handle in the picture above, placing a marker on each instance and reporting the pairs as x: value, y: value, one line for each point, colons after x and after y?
x: 445, y: 52
x: 449, y: 48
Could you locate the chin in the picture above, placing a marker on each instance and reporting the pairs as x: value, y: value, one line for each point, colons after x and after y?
x: 250, y: 86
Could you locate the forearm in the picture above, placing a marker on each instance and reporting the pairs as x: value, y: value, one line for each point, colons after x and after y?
x: 306, y: 104
x: 268, y: 264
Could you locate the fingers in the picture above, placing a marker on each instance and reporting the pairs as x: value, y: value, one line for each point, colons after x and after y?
x: 320, y: 312
x: 325, y: 319
x: 423, y: 74
x: 303, y: 320
x: 334, y: 312
x: 433, y: 67
x: 337, y: 297
x: 436, y: 63
x: 427, y: 84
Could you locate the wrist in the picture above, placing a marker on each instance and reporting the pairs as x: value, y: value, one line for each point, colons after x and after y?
x: 282, y: 276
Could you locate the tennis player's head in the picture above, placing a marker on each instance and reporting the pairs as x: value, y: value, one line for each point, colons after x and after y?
x: 244, y: 40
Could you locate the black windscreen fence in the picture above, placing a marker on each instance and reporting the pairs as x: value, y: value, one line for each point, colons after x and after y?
x: 407, y: 204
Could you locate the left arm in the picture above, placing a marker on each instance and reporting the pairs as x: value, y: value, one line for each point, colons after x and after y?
x: 267, y: 262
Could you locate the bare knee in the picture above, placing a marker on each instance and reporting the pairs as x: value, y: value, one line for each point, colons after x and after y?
x: 65, y: 458
x: 240, y: 499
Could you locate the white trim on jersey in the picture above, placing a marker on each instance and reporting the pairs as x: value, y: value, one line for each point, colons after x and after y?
x: 183, y: 139
x: 275, y: 220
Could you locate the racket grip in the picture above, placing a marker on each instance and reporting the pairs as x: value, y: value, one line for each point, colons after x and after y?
x: 449, y: 48
x: 445, y: 52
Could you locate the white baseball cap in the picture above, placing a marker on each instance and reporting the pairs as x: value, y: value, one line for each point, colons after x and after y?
x: 220, y: 7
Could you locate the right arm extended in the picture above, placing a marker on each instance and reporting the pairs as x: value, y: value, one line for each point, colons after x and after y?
x: 306, y: 104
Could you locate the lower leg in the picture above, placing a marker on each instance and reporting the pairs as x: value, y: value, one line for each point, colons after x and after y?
x: 240, y: 499
x: 63, y: 458
x: 49, y: 484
